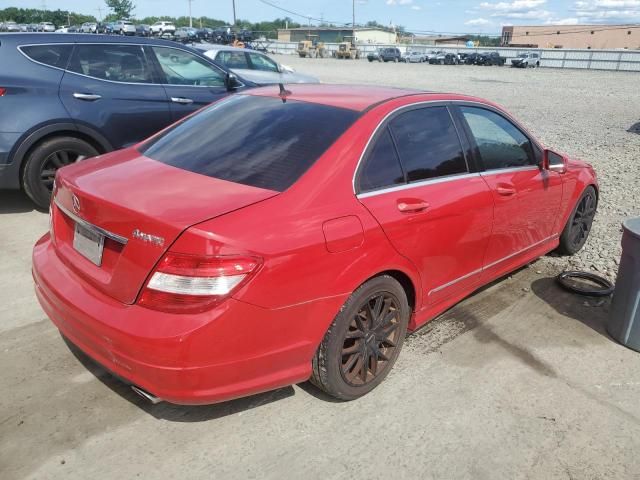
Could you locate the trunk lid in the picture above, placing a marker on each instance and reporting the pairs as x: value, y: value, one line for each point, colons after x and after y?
x: 125, y: 192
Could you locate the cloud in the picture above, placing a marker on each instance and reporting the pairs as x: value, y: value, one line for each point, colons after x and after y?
x: 416, y: 7
x: 607, y: 11
x: 563, y: 21
x: 515, y: 6
x: 399, y: 2
x: 477, y: 22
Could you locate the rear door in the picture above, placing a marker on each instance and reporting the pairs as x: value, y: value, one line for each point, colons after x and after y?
x: 190, y: 81
x: 112, y: 88
x: 435, y: 210
x: 527, y: 198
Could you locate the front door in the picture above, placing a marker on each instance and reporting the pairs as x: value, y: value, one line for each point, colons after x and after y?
x: 190, y: 81
x: 111, y: 87
x: 435, y: 211
x: 527, y: 197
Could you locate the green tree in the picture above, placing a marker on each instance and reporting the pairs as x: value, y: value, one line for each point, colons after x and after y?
x: 120, y: 8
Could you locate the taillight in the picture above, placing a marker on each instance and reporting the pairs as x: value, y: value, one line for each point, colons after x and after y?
x: 2, y: 91
x: 188, y: 283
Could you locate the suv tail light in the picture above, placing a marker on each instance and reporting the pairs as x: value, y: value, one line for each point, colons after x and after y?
x: 2, y: 91
x: 184, y: 283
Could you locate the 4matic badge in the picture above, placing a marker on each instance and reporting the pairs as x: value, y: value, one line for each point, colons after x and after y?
x: 146, y: 237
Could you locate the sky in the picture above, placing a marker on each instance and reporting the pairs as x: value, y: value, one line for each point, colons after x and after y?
x: 455, y: 16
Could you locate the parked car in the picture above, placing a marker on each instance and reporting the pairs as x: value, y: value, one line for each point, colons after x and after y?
x: 491, y: 58
x: 414, y: 57
x: 124, y: 27
x: 437, y: 58
x: 252, y: 65
x: 143, y: 30
x: 9, y: 27
x: 526, y: 60
x: 89, y: 27
x: 186, y: 34
x: 363, y: 235
x: 163, y: 28
x: 110, y: 28
x: 46, y: 27
x: 81, y: 95
x: 375, y: 55
x: 472, y: 58
x: 451, y: 59
x: 389, y: 55
x: 101, y: 27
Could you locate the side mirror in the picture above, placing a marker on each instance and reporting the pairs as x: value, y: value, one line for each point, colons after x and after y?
x: 231, y: 82
x: 554, y: 162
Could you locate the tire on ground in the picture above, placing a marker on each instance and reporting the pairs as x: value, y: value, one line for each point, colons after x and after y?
x: 327, y: 363
x: 567, y: 246
x: 31, y: 175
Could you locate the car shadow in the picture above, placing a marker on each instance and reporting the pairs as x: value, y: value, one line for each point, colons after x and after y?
x: 15, y: 201
x: 635, y: 128
x: 173, y: 412
x: 590, y: 311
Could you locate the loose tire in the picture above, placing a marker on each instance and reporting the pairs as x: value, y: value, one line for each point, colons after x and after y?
x: 576, y: 231
x: 43, y: 162
x: 364, y: 340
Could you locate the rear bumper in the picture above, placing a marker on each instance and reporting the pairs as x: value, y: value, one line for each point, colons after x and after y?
x: 232, y: 351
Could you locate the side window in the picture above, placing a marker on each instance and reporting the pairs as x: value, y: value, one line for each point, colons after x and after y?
x: 554, y: 158
x: 501, y: 144
x: 260, y: 62
x: 233, y: 60
x: 184, y: 68
x: 52, y: 55
x: 428, y: 144
x: 381, y: 168
x: 118, y: 63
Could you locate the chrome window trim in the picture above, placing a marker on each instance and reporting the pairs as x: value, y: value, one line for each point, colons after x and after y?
x: 421, y: 183
x: 496, y: 171
x: 427, y: 102
x: 106, y: 233
x: 492, y: 264
x: 19, y: 47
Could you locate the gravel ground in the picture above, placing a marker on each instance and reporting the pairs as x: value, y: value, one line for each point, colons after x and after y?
x: 592, y: 115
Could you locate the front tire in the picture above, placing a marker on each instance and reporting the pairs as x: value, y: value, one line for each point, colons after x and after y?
x: 576, y: 231
x: 364, y: 341
x: 43, y: 162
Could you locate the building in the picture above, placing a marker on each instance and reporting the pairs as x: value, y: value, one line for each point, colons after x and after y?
x: 439, y: 40
x: 572, y: 36
x: 335, y: 35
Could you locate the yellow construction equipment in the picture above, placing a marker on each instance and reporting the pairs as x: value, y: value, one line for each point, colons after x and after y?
x: 311, y: 48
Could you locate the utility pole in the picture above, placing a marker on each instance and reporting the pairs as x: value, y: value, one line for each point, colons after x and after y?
x: 233, y: 2
x: 99, y: 13
x: 190, y: 19
x: 353, y: 20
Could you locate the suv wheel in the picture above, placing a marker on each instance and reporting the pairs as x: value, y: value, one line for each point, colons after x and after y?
x: 45, y: 159
x: 364, y: 340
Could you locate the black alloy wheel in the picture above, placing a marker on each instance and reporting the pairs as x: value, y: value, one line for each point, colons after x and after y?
x: 577, y: 229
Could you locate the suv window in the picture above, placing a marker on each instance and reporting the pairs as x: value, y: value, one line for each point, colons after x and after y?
x: 260, y: 62
x: 284, y: 140
x: 233, y: 59
x: 184, y: 68
x: 382, y: 167
x: 52, y: 55
x: 501, y: 144
x: 117, y: 63
x: 428, y: 143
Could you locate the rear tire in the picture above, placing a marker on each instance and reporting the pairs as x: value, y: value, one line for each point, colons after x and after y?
x: 363, y: 342
x: 576, y: 231
x: 45, y: 159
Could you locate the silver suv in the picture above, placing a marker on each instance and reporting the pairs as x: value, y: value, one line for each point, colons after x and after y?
x: 124, y: 27
x: 526, y: 60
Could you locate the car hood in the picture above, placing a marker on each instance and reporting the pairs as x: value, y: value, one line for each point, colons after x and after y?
x: 269, y: 78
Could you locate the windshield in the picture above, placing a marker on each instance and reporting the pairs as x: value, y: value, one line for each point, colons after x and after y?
x: 254, y: 140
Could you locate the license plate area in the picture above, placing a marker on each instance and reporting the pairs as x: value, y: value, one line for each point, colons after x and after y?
x: 88, y: 243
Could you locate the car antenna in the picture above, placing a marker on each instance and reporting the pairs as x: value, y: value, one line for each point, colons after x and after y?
x: 284, y: 93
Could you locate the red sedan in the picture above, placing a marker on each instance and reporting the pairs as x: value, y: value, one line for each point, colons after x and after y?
x: 279, y: 236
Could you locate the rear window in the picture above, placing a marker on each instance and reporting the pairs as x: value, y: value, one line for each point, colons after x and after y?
x: 52, y: 55
x: 258, y: 141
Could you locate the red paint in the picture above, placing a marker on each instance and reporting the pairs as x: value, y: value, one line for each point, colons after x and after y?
x: 316, y: 243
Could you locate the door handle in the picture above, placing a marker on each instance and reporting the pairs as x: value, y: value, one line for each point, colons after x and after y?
x: 89, y: 97
x: 505, y: 189
x: 411, y: 205
x: 182, y: 100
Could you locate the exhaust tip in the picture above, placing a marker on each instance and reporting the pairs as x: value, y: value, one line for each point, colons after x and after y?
x: 146, y: 395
